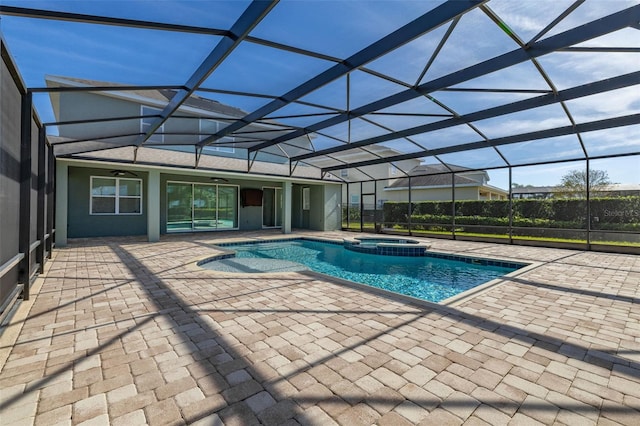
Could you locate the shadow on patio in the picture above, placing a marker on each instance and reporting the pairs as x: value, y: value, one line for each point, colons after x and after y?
x: 172, y: 345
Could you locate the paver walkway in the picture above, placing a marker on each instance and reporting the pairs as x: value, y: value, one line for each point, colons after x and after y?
x: 125, y: 332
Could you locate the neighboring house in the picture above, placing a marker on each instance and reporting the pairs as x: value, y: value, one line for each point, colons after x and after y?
x: 532, y: 192
x: 376, y: 177
x: 543, y: 192
x: 433, y: 182
x: 157, y: 188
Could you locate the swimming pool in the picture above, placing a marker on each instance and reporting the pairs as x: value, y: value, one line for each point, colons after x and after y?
x: 434, y: 277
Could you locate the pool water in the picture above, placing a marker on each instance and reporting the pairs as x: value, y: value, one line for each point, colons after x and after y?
x: 428, y: 278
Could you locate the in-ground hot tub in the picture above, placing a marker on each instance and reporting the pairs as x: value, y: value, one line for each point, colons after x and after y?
x: 386, y: 246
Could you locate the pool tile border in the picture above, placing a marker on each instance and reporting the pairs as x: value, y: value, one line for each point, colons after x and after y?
x: 519, y: 268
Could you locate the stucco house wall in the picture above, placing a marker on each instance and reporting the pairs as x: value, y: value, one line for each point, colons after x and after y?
x: 82, y: 106
x: 323, y: 214
x: 82, y: 224
x: 79, y: 222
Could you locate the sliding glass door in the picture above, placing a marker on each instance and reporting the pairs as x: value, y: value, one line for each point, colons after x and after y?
x: 205, y: 207
x: 227, y: 207
x: 271, y: 207
x: 201, y: 207
x: 179, y: 206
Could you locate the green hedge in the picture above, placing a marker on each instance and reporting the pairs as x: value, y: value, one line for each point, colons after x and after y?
x: 352, y: 212
x: 616, y: 214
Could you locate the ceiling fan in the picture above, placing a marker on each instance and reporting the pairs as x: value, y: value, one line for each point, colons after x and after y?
x: 120, y: 173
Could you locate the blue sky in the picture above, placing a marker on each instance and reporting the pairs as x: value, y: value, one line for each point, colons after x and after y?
x: 339, y: 29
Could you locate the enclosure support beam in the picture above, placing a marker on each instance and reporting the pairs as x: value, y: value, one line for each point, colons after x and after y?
x: 607, y: 123
x: 410, y: 207
x: 588, y: 185
x: 62, y: 194
x: 287, y: 205
x: 104, y: 20
x: 348, y: 206
x: 577, y: 92
x: 153, y: 206
x: 41, y: 185
x: 51, y: 167
x: 591, y: 30
x: 254, y: 13
x: 24, y: 232
x: 361, y: 209
x: 453, y: 205
x: 510, y: 205
x: 414, y: 29
x: 375, y: 207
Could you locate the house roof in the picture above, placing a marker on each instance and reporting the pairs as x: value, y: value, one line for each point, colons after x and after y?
x: 426, y: 175
x: 182, y: 159
x: 533, y: 189
x: 221, y: 111
x: 205, y: 104
x: 161, y: 94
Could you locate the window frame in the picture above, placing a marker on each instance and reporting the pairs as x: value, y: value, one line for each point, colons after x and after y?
x: 145, y: 124
x: 116, y: 196
x: 226, y: 149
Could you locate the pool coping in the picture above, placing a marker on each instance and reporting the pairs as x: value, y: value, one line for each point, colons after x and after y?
x: 450, y: 301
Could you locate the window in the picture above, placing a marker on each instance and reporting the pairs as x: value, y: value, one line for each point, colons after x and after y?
x: 115, y: 196
x: 306, y: 198
x: 344, y: 173
x: 209, y: 127
x: 147, y: 122
x: 393, y: 170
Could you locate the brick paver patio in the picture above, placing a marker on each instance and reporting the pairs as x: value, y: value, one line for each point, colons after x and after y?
x: 125, y: 332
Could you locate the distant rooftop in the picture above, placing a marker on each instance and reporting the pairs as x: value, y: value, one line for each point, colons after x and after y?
x: 427, y: 175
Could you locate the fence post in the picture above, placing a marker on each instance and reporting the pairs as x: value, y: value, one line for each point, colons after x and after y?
x: 410, y: 208
x: 41, y: 186
x: 50, y: 198
x: 510, y: 206
x: 453, y: 205
x: 588, y: 189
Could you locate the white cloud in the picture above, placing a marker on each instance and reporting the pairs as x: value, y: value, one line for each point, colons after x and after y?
x: 528, y: 18
x: 543, y: 118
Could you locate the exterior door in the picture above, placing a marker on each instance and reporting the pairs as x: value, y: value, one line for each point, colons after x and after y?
x: 201, y: 207
x: 271, y: 207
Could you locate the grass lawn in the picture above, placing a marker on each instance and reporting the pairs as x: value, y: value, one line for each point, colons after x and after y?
x: 371, y: 227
